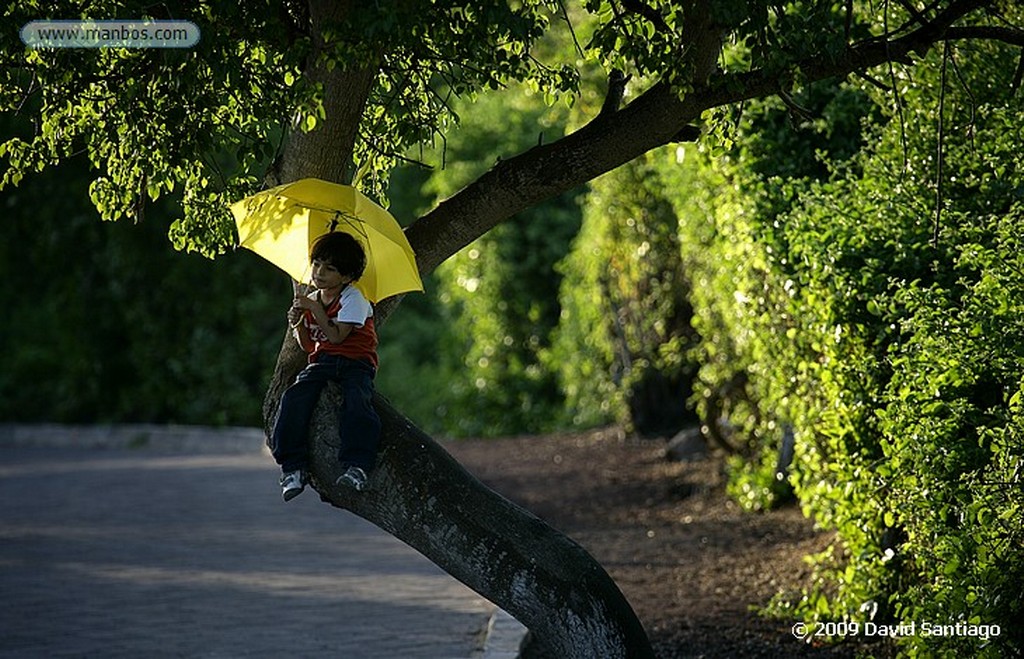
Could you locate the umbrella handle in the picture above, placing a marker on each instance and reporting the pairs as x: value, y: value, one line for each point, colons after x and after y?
x: 301, y: 288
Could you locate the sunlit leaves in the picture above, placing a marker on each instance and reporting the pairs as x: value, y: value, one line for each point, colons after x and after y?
x: 220, y: 112
x: 155, y: 122
x: 624, y: 335
x: 500, y: 294
x: 433, y: 53
x: 206, y: 122
x: 888, y: 336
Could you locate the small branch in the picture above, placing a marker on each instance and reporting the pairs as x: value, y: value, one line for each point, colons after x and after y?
x: 940, y: 154
x: 914, y: 14
x: 648, y: 12
x: 33, y: 88
x: 896, y: 98
x: 795, y: 108
x: 572, y: 32
x: 391, y: 154
x: 1018, y: 74
x: 139, y: 207
x: 848, y: 22
x: 970, y: 95
x: 1006, y: 35
x: 617, y: 81
x: 873, y: 81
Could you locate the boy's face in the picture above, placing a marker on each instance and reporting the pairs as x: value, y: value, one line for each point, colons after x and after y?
x: 326, y: 276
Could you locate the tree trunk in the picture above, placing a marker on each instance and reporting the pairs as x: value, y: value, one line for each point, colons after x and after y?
x: 418, y: 492
x: 424, y: 497
x: 326, y: 152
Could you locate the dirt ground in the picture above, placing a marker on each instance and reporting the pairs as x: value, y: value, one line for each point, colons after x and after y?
x: 689, y: 560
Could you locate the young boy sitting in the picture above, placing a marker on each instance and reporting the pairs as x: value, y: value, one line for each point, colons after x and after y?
x: 334, y: 324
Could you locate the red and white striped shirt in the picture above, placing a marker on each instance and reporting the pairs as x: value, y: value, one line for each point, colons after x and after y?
x: 361, y: 343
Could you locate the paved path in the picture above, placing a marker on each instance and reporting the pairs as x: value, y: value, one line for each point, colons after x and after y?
x: 115, y: 552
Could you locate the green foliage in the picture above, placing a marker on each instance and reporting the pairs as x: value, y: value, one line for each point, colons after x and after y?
x: 736, y: 249
x: 846, y: 295
x: 154, y: 122
x: 415, y: 373
x: 887, y: 334
x: 499, y: 295
x: 204, y: 125
x: 106, y: 323
x: 207, y: 122
x: 649, y: 38
x: 435, y: 54
x: 624, y: 335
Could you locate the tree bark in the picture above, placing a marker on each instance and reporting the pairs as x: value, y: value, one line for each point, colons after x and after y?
x: 424, y: 497
x: 657, y: 117
x: 420, y: 494
x: 326, y: 152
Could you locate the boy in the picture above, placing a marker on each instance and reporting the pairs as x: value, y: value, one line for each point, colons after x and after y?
x: 334, y: 324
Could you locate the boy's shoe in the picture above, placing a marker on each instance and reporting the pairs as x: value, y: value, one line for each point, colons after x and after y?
x: 353, y: 477
x: 292, y: 484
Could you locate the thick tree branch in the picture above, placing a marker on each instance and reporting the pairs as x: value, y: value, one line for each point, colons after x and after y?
x: 986, y: 32
x: 424, y: 497
x: 326, y: 153
x: 545, y: 171
x: 654, y: 118
x: 419, y: 493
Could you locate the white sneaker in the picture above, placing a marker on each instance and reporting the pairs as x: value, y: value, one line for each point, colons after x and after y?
x: 292, y: 484
x: 353, y: 477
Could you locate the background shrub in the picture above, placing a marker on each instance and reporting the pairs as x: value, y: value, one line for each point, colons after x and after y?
x: 879, y: 315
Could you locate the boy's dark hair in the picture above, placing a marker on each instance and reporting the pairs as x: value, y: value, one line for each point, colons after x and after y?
x: 342, y: 251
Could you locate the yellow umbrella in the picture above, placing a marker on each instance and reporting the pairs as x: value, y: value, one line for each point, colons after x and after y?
x: 280, y: 224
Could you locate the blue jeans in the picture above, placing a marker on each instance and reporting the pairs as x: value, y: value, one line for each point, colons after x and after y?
x: 358, y: 427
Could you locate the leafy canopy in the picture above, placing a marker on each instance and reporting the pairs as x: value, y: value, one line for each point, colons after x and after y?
x: 208, y: 123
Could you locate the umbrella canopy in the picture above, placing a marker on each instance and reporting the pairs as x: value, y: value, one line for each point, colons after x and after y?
x: 280, y: 224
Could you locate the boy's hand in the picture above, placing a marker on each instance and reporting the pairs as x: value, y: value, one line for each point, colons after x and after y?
x: 300, y: 304
x: 303, y: 303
